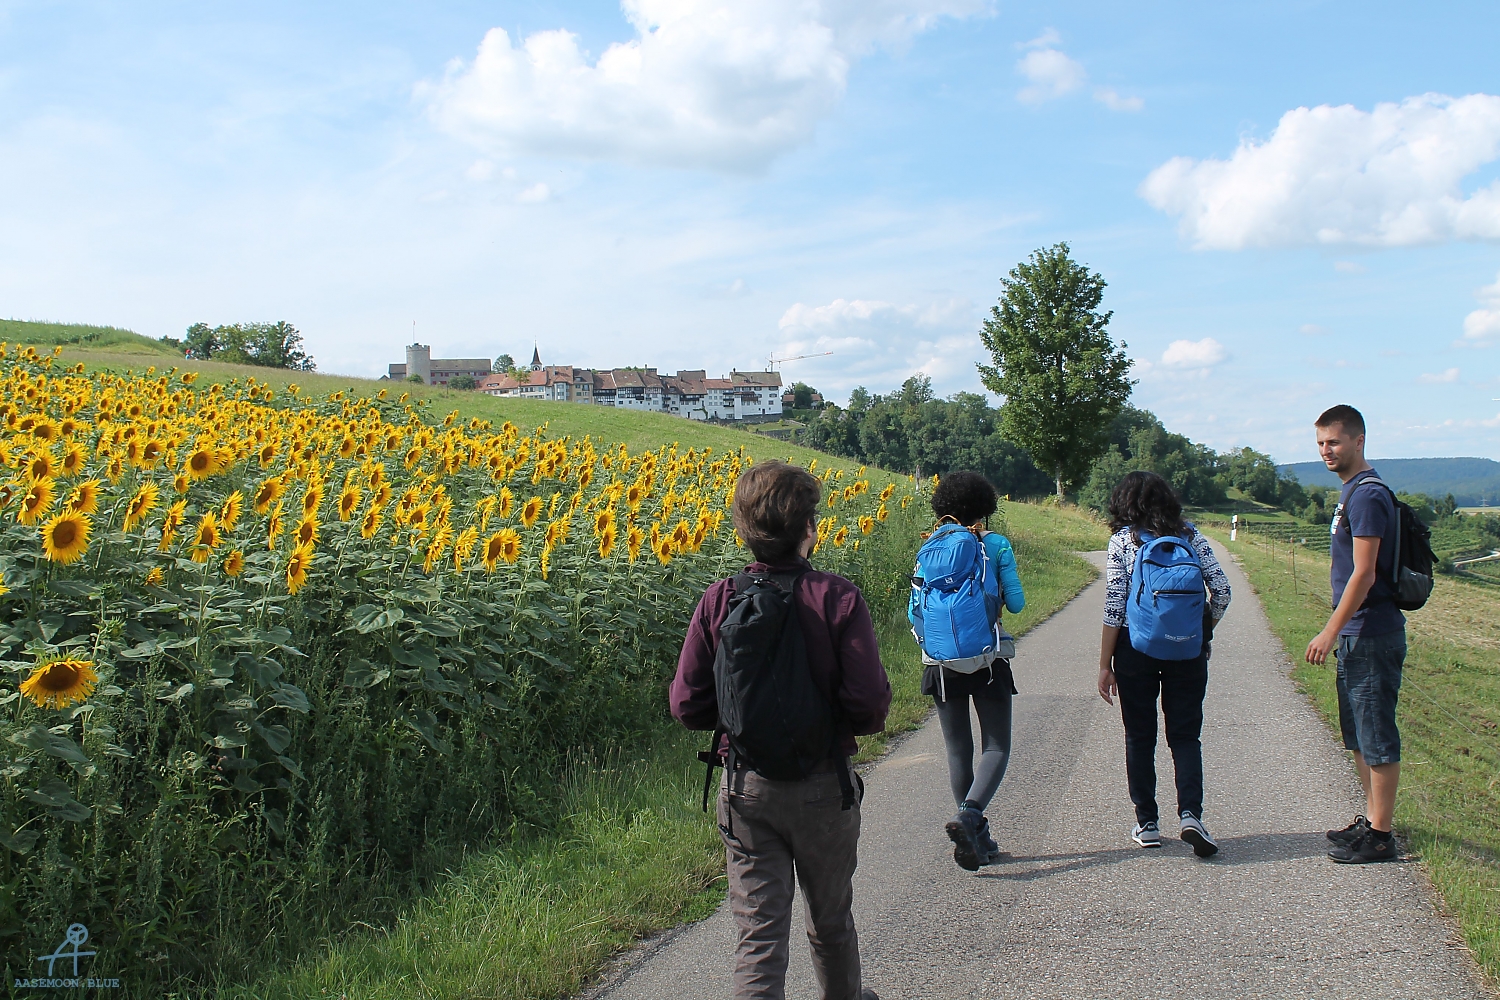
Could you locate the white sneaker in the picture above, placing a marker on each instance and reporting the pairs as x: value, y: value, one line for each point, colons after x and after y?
x: 1196, y: 834
x: 1147, y: 835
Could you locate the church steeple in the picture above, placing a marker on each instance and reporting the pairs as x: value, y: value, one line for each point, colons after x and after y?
x: 536, y: 358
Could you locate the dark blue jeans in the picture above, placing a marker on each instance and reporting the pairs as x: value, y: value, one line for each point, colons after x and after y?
x: 1181, y: 685
x: 1369, y: 681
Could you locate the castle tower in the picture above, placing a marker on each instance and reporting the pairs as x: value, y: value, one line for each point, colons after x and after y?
x: 419, y: 362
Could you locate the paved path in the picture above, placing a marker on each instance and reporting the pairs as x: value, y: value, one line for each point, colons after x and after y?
x: 1078, y: 911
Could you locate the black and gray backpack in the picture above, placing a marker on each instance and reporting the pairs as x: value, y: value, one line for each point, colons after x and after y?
x: 779, y: 723
x: 1411, y: 580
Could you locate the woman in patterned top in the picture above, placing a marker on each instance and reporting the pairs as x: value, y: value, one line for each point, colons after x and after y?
x: 1146, y: 502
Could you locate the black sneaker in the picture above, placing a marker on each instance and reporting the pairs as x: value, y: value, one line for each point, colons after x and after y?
x: 963, y: 830
x: 868, y: 994
x: 987, y: 843
x: 1366, y: 850
x: 1350, y: 833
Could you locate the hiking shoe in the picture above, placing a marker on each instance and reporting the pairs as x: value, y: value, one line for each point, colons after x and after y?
x: 1196, y: 834
x: 868, y: 994
x: 1366, y: 850
x: 989, y: 851
x: 1350, y: 833
x: 963, y: 830
x: 1147, y: 834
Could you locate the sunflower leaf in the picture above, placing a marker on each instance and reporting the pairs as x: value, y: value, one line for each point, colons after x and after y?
x: 37, y: 738
x: 21, y: 841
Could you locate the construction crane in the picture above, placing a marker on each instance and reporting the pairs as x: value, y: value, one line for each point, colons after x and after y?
x: 772, y: 360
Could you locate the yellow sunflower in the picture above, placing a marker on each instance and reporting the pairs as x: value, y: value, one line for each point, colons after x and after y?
x: 206, y: 538
x: 841, y: 536
x: 312, y: 499
x: 371, y: 523
x: 231, y: 509
x: 85, y: 497
x: 607, y: 541
x: 504, y: 544
x: 141, y: 505
x: 36, y: 503
x: 463, y: 547
x: 268, y: 493
x: 72, y: 460
x: 40, y: 464
x: 663, y: 550
x: 274, y: 528
x: 176, y: 514
x: 181, y: 483
x: 297, y: 566
x: 65, y: 538
x: 202, y: 462
x: 633, y: 539
x: 866, y: 524
x: 60, y: 683
x: 349, y: 502
x: 530, y: 511
x: 234, y: 563
x: 307, y: 531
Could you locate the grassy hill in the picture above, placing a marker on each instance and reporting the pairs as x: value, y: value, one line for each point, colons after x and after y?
x: 1472, y: 481
x: 110, y: 338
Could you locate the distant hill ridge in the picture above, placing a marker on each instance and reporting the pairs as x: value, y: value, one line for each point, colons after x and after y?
x: 1473, y: 482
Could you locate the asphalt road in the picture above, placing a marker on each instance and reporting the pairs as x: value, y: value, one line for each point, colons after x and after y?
x: 1077, y: 910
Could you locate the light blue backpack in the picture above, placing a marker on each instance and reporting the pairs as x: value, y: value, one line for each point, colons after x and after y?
x: 1164, y: 609
x: 955, y: 605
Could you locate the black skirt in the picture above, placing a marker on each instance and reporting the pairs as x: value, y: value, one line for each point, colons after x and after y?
x: 994, y: 682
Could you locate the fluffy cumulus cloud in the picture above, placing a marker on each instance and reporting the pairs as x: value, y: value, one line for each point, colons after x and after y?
x: 1439, y: 378
x: 1339, y: 175
x: 1051, y: 73
x: 1482, y: 326
x: 1194, y: 355
x: 881, y: 344
x: 704, y: 83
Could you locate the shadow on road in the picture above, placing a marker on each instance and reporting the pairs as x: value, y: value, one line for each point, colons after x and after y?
x: 1233, y: 851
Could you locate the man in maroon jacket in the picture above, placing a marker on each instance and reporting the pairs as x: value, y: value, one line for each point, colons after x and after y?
x: 773, y: 829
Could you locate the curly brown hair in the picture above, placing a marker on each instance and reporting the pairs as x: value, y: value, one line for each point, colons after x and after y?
x: 1145, y: 501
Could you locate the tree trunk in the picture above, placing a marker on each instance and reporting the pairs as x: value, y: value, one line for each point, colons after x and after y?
x: 1057, y: 475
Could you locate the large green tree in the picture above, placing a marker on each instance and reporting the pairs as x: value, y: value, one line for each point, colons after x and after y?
x: 1062, y: 377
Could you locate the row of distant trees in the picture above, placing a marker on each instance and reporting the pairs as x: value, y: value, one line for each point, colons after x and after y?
x: 1066, y: 420
x: 269, y: 345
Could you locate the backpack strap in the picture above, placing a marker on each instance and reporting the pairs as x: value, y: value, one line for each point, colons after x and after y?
x: 1373, y: 477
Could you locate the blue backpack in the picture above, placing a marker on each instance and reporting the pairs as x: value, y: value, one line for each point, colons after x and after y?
x: 956, y: 603
x: 1164, y: 610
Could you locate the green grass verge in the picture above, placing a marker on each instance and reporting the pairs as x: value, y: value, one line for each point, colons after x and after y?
x: 1450, y: 724
x: 634, y: 855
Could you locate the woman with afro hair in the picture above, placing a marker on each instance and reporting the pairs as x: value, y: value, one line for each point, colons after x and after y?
x: 968, y: 499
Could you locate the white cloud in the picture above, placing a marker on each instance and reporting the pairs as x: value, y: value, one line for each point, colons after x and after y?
x: 1482, y: 326
x: 1114, y: 101
x: 1313, y: 330
x: 1349, y: 267
x: 1441, y: 378
x: 1052, y: 74
x: 704, y: 83
x: 1338, y: 175
x: 880, y: 344
x: 534, y: 194
x: 1194, y: 354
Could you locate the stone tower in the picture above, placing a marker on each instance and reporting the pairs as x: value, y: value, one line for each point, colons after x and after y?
x: 419, y: 362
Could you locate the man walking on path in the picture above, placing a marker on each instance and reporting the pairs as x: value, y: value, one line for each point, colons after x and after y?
x: 1367, y: 630
x: 784, y: 815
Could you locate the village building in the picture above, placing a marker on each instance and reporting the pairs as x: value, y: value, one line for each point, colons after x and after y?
x: 437, y: 371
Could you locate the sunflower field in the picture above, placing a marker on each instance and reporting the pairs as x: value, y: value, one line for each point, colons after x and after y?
x: 267, y: 659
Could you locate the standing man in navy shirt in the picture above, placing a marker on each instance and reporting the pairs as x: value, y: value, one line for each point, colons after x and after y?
x: 1368, y: 632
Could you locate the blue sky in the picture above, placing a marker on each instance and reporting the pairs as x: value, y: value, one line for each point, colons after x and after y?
x: 691, y: 183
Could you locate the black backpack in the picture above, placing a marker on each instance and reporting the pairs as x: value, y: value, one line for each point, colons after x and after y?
x: 779, y: 722
x: 1412, y: 567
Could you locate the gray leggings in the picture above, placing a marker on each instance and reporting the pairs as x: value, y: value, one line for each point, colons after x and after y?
x: 994, y: 734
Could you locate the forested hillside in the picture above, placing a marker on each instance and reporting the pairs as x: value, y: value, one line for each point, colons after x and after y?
x: 1473, y: 482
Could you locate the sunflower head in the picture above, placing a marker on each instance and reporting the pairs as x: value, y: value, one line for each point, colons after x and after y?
x: 141, y: 504
x: 206, y: 538
x: 269, y: 491
x: 663, y: 549
x: 37, y: 502
x: 202, y: 462
x: 60, y: 683
x: 297, y: 566
x: 85, y: 497
x: 229, y: 513
x: 607, y: 541
x: 234, y: 563
x: 370, y: 524
x: 307, y: 531
x: 65, y: 538
x: 40, y: 464
x: 531, y: 511
x: 349, y: 502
